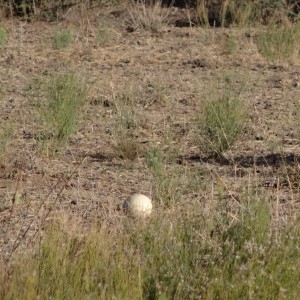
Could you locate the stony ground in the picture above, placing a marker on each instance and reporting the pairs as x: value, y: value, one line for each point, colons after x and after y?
x: 167, y: 75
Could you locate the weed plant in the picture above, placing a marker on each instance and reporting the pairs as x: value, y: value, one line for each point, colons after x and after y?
x: 221, y: 125
x: 62, y: 39
x: 65, y: 95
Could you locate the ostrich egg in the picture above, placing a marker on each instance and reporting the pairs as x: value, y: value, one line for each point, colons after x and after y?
x: 139, y: 205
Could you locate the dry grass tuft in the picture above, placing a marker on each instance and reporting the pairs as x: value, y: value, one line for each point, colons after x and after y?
x: 148, y: 15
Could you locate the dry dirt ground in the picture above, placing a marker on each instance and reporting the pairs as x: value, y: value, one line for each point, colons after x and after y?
x: 168, y: 74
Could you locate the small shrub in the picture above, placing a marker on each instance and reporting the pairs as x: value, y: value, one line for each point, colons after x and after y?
x: 146, y: 16
x: 2, y: 35
x: 279, y: 42
x: 62, y: 39
x: 222, y: 124
x: 65, y: 96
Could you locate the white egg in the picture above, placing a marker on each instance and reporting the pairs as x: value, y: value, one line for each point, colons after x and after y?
x: 138, y: 205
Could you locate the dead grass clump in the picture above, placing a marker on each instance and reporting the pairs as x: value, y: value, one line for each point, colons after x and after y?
x: 148, y: 15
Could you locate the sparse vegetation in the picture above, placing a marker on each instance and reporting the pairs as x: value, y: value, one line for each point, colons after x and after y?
x: 202, y: 120
x: 62, y: 39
